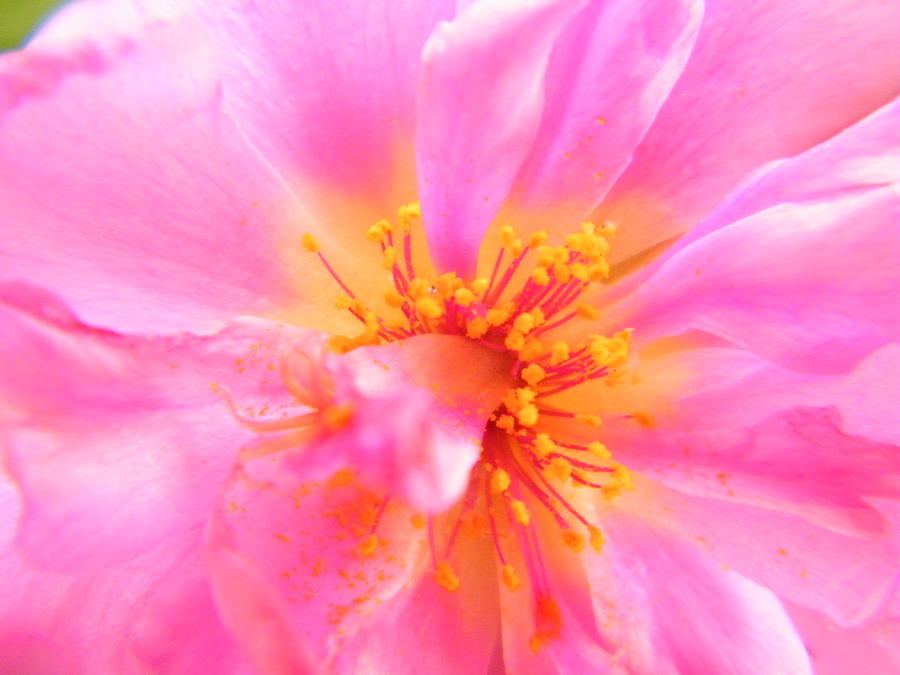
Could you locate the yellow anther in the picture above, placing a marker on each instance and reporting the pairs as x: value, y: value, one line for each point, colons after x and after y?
x: 516, y: 248
x: 446, y: 577
x: 498, y: 315
x: 559, y: 352
x: 528, y: 415
x: 560, y: 468
x: 597, y: 538
x: 525, y: 395
x: 385, y: 226
x: 447, y: 284
x: 343, y: 301
x: 418, y: 521
x: 510, y: 578
x: 506, y: 423
x: 540, y: 276
x: 544, y: 445
x: 597, y: 449
x: 375, y: 234
x: 580, y: 271
x: 499, y: 481
x: 598, y: 271
x: 533, y: 373
x: 532, y: 349
x: 574, y: 540
x: 588, y: 227
x: 409, y: 212
x: 562, y: 273
x: 390, y: 258
x: 507, y: 235
x: 520, y: 512
x: 587, y: 311
x: 394, y: 299
x: 463, y: 297
x: 476, y: 328
x: 341, y: 344
x: 524, y: 323
x: 623, y: 475
x: 310, y: 244
x: 545, y: 256
x: 419, y: 288
x: 514, y: 340
x: 368, y: 546
x: 429, y: 308
x: 537, y: 238
x: 479, y: 286
x: 337, y: 417
x: 588, y: 419
x: 560, y: 255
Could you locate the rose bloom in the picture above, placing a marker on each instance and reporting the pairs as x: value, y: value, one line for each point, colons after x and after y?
x: 406, y: 336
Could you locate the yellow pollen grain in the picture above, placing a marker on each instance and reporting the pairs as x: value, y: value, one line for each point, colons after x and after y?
x: 623, y: 475
x: 562, y: 273
x: 385, y: 226
x: 538, y: 238
x: 477, y: 327
x: 498, y: 315
x: 499, y: 481
x: 559, y: 352
x: 446, y: 577
x: 506, y: 423
x: 524, y: 323
x: 418, y: 521
x: 599, y: 271
x: 375, y: 234
x: 528, y: 415
x: 544, y: 445
x: 310, y: 244
x: 525, y: 395
x: 463, y: 297
x: 429, y: 308
x: 532, y: 349
x: 520, y: 512
x: 479, y: 286
x: 368, y: 546
x: 514, y: 340
x: 540, y: 276
x: 516, y: 248
x: 408, y: 213
x: 533, y: 373
x: 560, y: 468
x: 597, y: 538
x: 507, y: 235
x: 390, y: 258
x: 580, y: 271
x: 510, y: 578
x: 597, y: 449
x: 588, y: 419
x: 574, y: 540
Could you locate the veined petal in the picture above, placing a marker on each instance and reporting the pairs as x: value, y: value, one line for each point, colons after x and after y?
x: 479, y: 105
x: 765, y: 81
x: 119, y: 443
x: 609, y: 73
x: 805, y: 285
x: 145, y: 208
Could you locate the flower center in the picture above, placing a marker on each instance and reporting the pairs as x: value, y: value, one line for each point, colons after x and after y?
x: 528, y: 459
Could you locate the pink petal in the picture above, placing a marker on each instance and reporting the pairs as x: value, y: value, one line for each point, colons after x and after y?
x: 807, y: 285
x: 843, y: 576
x: 153, y: 612
x: 125, y: 188
x: 766, y: 81
x: 663, y: 605
x: 119, y: 444
x: 609, y: 73
x: 742, y: 429
x: 326, y: 92
x: 479, y: 105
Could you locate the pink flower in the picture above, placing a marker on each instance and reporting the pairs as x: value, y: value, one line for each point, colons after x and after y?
x: 672, y: 450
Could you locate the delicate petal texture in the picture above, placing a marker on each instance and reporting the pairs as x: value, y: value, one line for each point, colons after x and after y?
x: 804, y: 285
x: 766, y: 80
x: 609, y: 73
x: 130, y: 423
x: 326, y: 88
x: 845, y: 577
x: 478, y: 111
x: 144, y: 208
x: 664, y: 606
x: 154, y: 612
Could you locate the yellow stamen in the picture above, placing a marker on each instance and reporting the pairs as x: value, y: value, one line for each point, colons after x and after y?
x: 463, y: 297
x: 476, y: 328
x: 559, y: 352
x: 597, y: 538
x: 599, y: 450
x: 560, y: 468
x: 429, y: 308
x: 510, y: 578
x: 520, y: 512
x: 446, y: 577
x: 574, y: 540
x: 588, y: 419
x: 310, y: 244
x: 544, y: 445
x: 500, y: 481
x: 533, y: 373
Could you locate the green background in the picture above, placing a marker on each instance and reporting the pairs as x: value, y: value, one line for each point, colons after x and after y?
x: 18, y: 18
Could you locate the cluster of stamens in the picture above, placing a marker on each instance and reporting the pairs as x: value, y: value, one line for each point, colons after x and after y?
x: 517, y: 457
